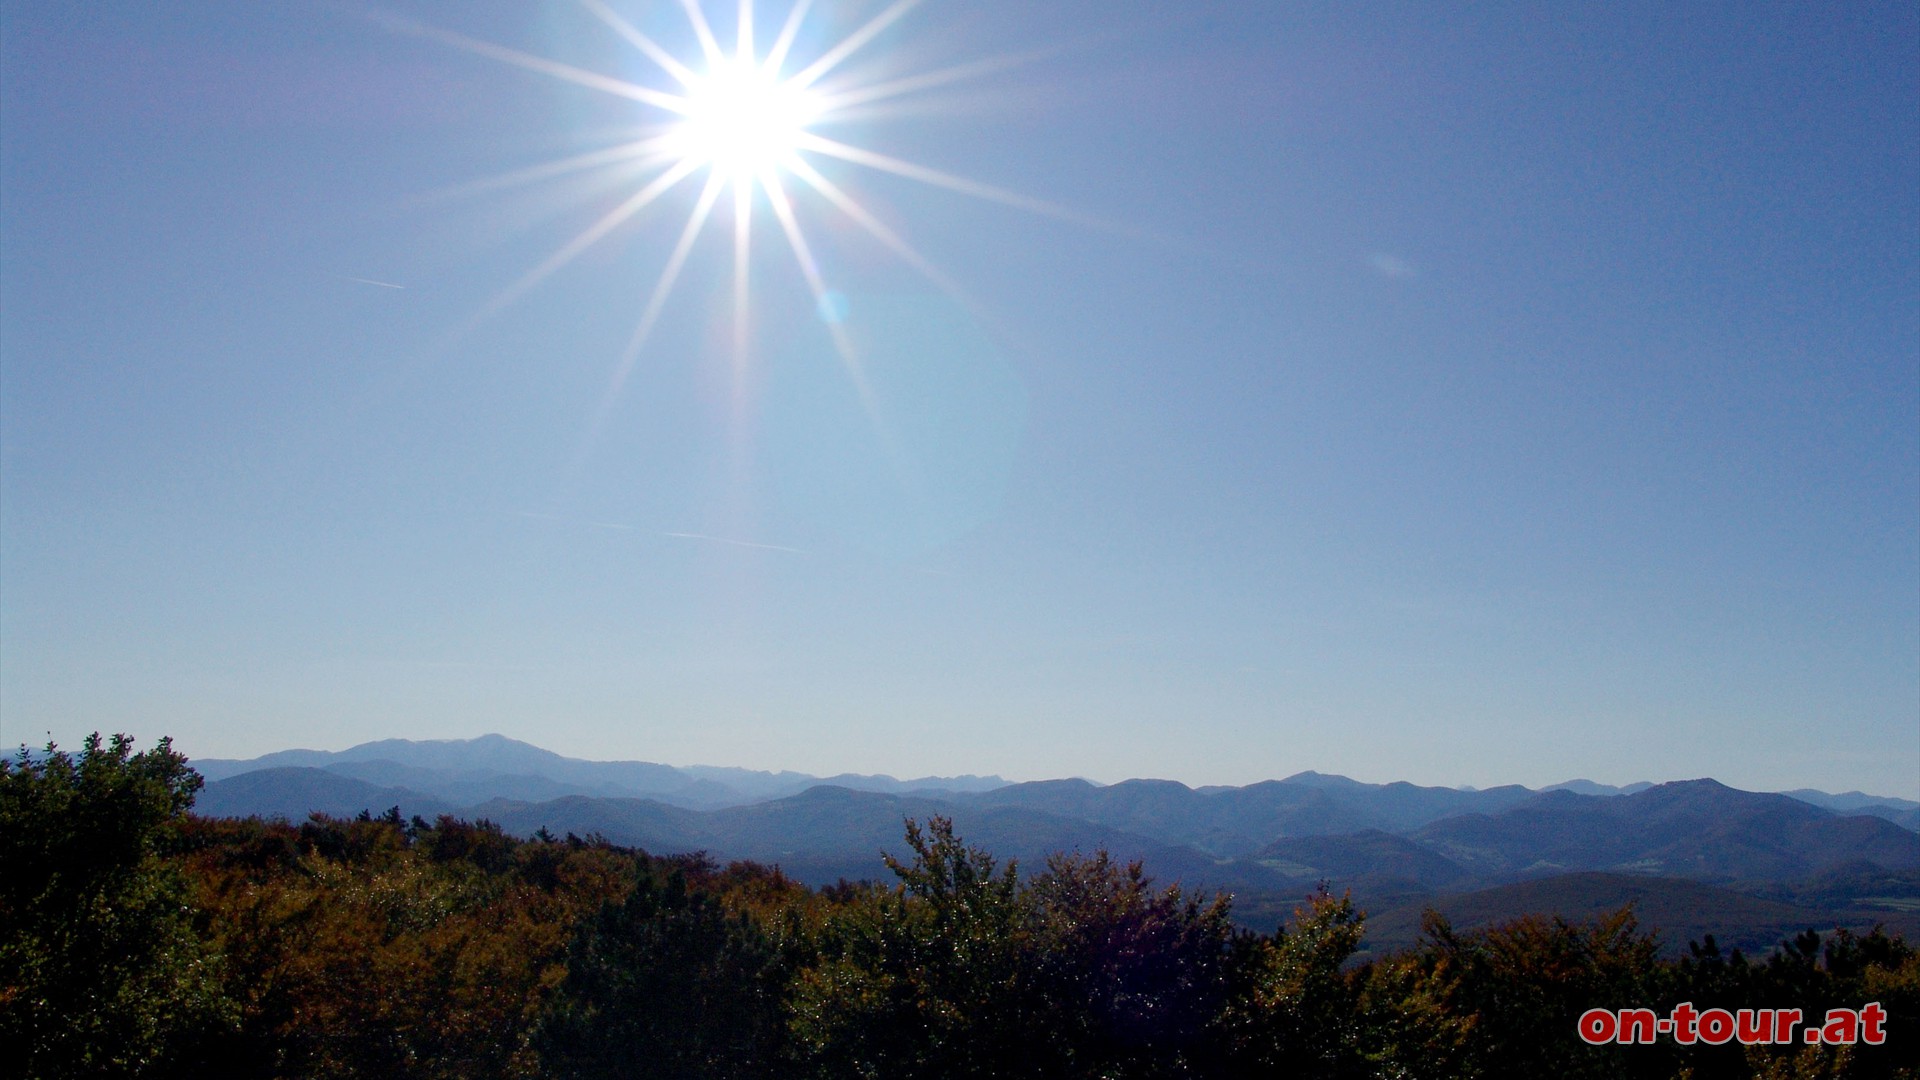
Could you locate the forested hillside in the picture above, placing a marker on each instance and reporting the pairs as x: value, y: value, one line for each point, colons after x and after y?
x: 138, y: 940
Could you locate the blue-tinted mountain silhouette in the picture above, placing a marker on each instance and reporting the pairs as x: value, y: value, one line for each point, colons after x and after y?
x: 466, y: 772
x: 1277, y: 838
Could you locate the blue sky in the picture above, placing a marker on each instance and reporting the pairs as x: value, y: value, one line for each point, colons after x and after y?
x: 1462, y: 395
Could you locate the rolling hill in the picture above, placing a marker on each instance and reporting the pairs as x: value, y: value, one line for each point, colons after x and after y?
x: 1695, y: 828
x: 1682, y: 911
x: 1396, y: 846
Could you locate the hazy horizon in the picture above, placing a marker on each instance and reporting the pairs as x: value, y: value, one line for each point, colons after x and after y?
x: 998, y: 774
x: 1211, y: 392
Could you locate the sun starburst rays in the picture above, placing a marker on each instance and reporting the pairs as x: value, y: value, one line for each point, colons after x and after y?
x: 736, y: 115
x: 668, y: 63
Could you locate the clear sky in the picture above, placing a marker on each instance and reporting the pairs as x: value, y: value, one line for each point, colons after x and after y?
x: 1464, y: 394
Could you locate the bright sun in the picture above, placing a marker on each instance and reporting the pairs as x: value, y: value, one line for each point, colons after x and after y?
x: 746, y: 123
x: 741, y: 120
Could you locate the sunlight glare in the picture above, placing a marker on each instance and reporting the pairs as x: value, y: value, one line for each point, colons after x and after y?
x: 750, y: 127
x: 742, y: 120
x: 757, y: 129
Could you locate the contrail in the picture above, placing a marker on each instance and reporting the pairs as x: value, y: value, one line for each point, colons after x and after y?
x: 370, y: 281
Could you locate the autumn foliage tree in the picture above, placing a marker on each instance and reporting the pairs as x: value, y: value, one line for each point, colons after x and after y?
x: 390, y: 949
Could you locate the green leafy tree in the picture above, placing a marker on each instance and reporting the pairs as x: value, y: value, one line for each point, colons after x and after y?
x: 100, y: 971
x: 963, y: 970
x: 1294, y: 1009
x: 1133, y: 975
x: 665, y: 983
x: 930, y: 978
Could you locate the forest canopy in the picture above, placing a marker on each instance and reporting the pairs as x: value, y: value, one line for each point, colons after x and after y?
x: 139, y: 940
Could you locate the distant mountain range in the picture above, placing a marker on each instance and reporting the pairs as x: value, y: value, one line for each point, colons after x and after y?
x: 469, y: 771
x: 1801, y: 857
x: 1225, y: 821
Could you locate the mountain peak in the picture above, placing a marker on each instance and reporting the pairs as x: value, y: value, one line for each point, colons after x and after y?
x: 1703, y: 783
x: 1309, y: 778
